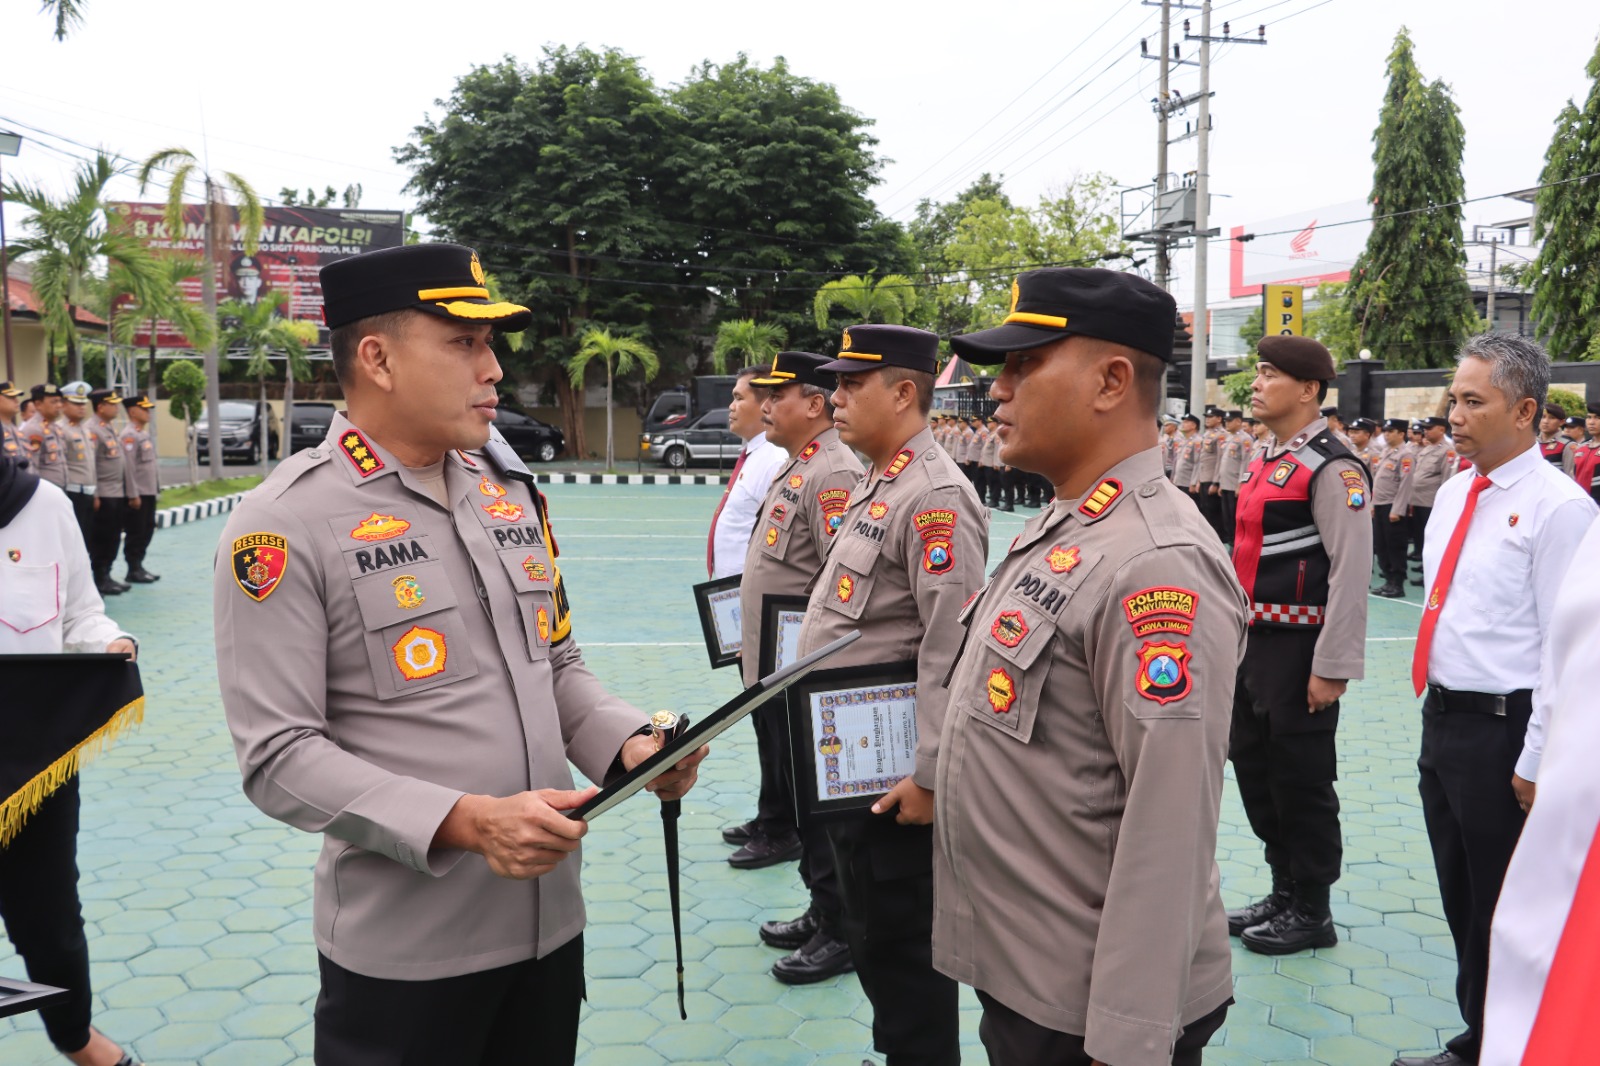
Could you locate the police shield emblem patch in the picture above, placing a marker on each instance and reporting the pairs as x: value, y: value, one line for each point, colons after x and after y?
x: 259, y: 560
x: 1355, y: 489
x: 420, y: 653
x: 1002, y: 691
x: 1009, y: 628
x: 1164, y: 671
x: 1283, y: 472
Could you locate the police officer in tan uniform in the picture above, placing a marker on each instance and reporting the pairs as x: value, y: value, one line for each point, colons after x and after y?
x: 797, y: 524
x: 43, y: 437
x: 1433, y: 464
x: 113, y: 484
x: 78, y: 453
x: 1081, y: 763
x: 1229, y: 464
x: 1207, y: 490
x: 1389, y: 535
x: 910, y: 550
x: 11, y: 444
x: 1188, y: 455
x: 399, y: 673
x: 139, y: 516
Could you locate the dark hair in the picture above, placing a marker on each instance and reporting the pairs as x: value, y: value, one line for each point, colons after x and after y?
x: 344, y: 341
x: 755, y: 370
x: 1322, y: 393
x: 1147, y: 373
x: 1518, y: 366
x: 893, y: 375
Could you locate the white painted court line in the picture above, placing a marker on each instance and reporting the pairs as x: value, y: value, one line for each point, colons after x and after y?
x: 642, y: 644
x: 631, y: 559
x: 1374, y: 640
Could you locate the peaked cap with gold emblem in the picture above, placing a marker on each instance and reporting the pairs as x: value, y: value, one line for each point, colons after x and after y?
x: 868, y: 347
x: 1057, y: 302
x: 796, y: 367
x: 440, y: 279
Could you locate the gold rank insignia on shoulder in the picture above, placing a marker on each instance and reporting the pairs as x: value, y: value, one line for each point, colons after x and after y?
x: 360, y: 453
x: 1104, y: 495
x: 896, y: 465
x: 808, y: 451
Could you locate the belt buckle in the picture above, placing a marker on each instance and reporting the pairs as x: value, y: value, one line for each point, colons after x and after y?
x: 1500, y: 706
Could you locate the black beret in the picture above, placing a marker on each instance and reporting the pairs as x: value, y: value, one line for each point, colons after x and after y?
x: 1573, y: 422
x: 1396, y: 424
x: 1365, y: 424
x: 441, y: 279
x: 1594, y: 408
x: 1213, y: 412
x: 1191, y: 418
x: 868, y: 347
x: 1329, y: 412
x: 1299, y: 357
x: 1229, y: 416
x: 1057, y: 302
x: 100, y: 396
x: 39, y: 392
x: 1555, y: 410
x: 799, y: 368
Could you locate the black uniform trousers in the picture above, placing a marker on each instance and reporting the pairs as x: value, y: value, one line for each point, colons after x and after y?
x: 1010, y: 478
x: 1013, y: 1040
x: 775, y: 807
x: 39, y: 904
x: 886, y: 881
x: 525, y: 1013
x: 1389, y: 541
x: 1419, y: 526
x: 971, y: 470
x: 1211, y: 507
x: 106, y: 535
x: 1469, y: 753
x: 139, y: 525
x: 1230, y: 514
x: 1283, y: 756
x: 83, y: 511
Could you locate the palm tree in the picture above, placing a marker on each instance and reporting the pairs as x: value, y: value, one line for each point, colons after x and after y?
x: 156, y: 295
x: 752, y: 341
x: 67, y: 239
x: 619, y: 355
x: 214, y: 221
x: 69, y: 15
x: 256, y: 331
x: 889, y: 300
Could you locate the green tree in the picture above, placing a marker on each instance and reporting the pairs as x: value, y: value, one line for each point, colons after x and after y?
x: 185, y: 383
x: 619, y: 355
x: 67, y: 240
x: 1408, y: 289
x: 947, y: 308
x: 351, y: 197
x: 890, y: 299
x: 68, y: 15
x: 1566, y: 295
x: 257, y: 332
x: 216, y: 223
x: 750, y: 341
x: 155, y: 295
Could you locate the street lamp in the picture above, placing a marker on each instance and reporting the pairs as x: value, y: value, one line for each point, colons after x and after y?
x: 10, y: 144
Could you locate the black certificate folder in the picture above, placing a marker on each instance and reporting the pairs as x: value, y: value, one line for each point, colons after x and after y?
x: 709, y: 727
x: 854, y: 735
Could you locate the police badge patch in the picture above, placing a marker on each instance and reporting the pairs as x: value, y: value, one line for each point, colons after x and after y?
x: 1002, y: 691
x: 1009, y: 628
x: 1355, y: 489
x: 259, y: 560
x: 1164, y: 671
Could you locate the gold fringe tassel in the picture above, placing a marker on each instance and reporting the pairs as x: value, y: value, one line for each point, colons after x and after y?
x: 15, y: 809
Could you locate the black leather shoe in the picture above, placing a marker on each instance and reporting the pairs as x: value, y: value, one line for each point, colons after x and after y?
x: 1297, y: 928
x: 739, y: 834
x: 764, y: 851
x: 1007, y: 507
x: 1261, y: 911
x: 1444, y: 1058
x: 1417, y: 581
x: 1392, y: 592
x: 791, y: 934
x: 140, y: 576
x: 107, y: 587
x: 825, y: 955
x: 1416, y: 557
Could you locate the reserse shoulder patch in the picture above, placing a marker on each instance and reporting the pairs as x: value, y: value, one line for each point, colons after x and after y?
x: 259, y: 560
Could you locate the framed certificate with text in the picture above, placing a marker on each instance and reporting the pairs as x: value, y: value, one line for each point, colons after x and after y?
x: 720, y: 618
x: 780, y: 631
x: 853, y: 731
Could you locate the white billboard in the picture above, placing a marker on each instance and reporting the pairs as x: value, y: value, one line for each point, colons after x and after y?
x: 1306, y: 248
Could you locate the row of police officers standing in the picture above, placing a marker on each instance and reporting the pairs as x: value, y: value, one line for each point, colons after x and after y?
x: 109, y: 473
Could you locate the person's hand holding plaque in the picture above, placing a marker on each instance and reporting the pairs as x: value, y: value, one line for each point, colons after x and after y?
x: 676, y: 782
x: 522, y: 836
x: 915, y: 803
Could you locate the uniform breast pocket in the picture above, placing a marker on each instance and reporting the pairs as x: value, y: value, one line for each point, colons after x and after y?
x: 1495, y: 588
x: 416, y: 638
x: 1009, y: 647
x: 30, y: 596
x: 772, y: 534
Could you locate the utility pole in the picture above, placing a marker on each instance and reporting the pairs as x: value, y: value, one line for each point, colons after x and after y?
x: 215, y: 214
x: 1163, y: 258
x: 1494, y: 246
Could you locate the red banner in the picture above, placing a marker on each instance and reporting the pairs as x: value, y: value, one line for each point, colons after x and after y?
x: 295, y: 243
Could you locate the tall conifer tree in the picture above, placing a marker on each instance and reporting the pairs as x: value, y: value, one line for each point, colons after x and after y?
x: 1409, y: 286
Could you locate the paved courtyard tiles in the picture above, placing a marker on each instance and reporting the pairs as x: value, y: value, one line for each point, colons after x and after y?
x: 199, y: 907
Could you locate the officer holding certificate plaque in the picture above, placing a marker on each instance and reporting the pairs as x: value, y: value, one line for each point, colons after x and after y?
x: 908, y: 553
x: 794, y: 529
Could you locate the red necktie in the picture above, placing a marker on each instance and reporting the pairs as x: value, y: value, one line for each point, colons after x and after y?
x: 711, y: 537
x: 1441, y: 586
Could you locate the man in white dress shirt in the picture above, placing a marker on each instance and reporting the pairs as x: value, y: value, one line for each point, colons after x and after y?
x: 1500, y: 537
x: 48, y: 604
x: 741, y: 503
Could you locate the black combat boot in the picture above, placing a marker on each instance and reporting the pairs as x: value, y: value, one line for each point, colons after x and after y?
x: 1263, y: 910
x: 1306, y: 924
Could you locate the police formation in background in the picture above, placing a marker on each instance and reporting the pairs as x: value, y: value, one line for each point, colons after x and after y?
x: 1080, y: 768
x: 799, y: 520
x: 1303, y: 554
x: 436, y: 693
x: 109, y: 476
x: 910, y: 551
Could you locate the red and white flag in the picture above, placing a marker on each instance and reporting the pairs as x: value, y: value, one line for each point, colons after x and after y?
x: 1544, y: 955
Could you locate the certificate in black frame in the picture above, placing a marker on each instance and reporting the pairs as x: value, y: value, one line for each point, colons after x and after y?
x: 776, y: 618
x: 17, y: 997
x: 710, y: 600
x: 876, y: 693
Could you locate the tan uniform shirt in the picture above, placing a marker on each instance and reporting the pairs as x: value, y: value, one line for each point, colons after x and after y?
x: 11, y: 443
x: 912, y: 548
x: 1230, y: 467
x: 1081, y: 771
x: 79, y: 454
x: 1210, y: 454
x: 1432, y: 466
x: 1386, y: 474
x: 45, y: 454
x: 139, y: 453
x: 991, y: 449
x: 1169, y: 452
x: 381, y: 654
x: 113, y: 476
x: 799, y: 520
x: 1188, y: 460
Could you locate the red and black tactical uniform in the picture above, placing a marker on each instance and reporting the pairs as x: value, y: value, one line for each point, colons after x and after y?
x: 1278, y: 552
x: 1554, y: 451
x: 1586, y: 467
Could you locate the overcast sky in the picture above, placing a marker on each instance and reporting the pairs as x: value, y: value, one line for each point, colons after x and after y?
x: 300, y: 93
